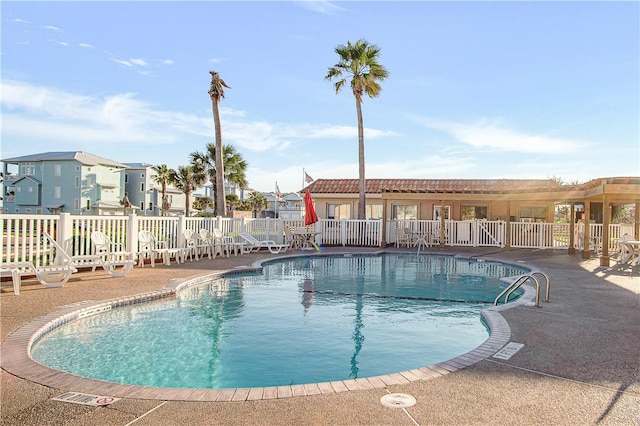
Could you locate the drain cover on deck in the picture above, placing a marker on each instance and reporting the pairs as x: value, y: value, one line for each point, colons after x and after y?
x: 86, y: 399
x: 398, y: 400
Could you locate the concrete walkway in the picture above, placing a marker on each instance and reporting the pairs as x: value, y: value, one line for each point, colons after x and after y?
x: 580, y: 363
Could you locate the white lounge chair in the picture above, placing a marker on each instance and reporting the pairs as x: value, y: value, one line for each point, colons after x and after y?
x: 48, y: 276
x: 149, y: 245
x: 103, y: 257
x: 253, y: 244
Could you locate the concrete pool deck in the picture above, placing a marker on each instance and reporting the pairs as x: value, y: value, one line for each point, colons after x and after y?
x: 580, y: 363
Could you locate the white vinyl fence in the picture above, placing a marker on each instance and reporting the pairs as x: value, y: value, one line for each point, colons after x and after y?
x: 21, y: 234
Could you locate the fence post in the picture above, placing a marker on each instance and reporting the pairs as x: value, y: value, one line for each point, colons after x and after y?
x: 64, y: 231
x: 182, y: 226
x: 132, y: 234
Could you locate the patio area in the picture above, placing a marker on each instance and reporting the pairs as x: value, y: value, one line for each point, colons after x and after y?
x: 580, y: 362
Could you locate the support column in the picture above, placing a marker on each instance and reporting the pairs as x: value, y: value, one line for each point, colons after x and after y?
x: 572, y: 229
x: 507, y: 234
x: 443, y: 231
x: 383, y: 242
x: 586, y: 246
x: 636, y: 228
x: 606, y: 219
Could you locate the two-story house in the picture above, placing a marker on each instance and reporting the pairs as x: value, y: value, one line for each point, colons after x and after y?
x: 289, y: 206
x: 53, y: 182
x: 146, y: 194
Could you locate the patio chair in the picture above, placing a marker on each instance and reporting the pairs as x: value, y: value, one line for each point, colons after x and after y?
x: 192, y: 245
x: 207, y: 241
x: 253, y: 244
x: 222, y: 243
x: 149, y: 245
x: 117, y: 263
x: 404, y: 237
x: 291, y: 238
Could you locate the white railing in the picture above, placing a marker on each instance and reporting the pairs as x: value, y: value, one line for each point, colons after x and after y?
x: 21, y: 233
x: 473, y: 233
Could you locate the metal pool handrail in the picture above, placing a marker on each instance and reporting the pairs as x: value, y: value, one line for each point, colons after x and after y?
x: 521, y: 280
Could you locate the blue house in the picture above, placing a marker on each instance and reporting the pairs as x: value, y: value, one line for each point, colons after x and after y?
x: 53, y: 182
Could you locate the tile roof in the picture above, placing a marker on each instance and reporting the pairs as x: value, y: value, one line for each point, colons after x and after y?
x: 378, y: 186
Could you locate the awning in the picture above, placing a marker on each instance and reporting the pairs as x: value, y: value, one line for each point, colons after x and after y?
x: 54, y: 206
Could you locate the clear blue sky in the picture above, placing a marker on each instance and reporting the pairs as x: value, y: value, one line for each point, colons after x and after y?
x: 476, y: 89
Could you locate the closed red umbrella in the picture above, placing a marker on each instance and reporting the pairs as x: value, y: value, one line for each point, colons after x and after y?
x: 310, y: 216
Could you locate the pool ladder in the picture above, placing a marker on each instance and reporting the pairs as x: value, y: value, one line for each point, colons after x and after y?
x: 521, y: 280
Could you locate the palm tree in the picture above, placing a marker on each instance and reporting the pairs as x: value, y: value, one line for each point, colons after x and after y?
x: 203, y: 203
x: 234, y: 167
x: 163, y: 177
x: 360, y: 61
x: 216, y: 92
x: 232, y: 200
x: 187, y: 179
x: 257, y: 202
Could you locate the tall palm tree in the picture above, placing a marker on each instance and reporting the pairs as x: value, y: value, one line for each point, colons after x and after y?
x: 360, y: 62
x: 187, y: 179
x: 235, y: 167
x: 163, y: 177
x: 216, y: 92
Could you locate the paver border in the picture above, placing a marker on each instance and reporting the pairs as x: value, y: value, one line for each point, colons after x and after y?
x: 16, y: 358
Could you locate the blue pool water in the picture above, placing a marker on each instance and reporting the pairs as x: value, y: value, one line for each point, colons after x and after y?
x: 302, y: 320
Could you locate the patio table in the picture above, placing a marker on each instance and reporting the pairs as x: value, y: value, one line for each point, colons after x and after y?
x: 306, y: 237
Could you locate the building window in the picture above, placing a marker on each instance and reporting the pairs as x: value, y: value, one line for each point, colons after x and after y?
x: 474, y: 212
x: 142, y: 187
x: 338, y: 211
x: 28, y: 169
x: 88, y: 204
x: 57, y: 170
x: 126, y: 178
x: 77, y: 181
x: 150, y: 205
x: 141, y: 205
x: 533, y: 214
x: 141, y: 175
x: 404, y: 212
x: 57, y: 192
x: 27, y: 210
x: 76, y: 203
x: 77, y: 168
x: 374, y: 211
x: 437, y: 210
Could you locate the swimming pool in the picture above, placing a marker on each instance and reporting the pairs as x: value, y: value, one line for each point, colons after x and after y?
x: 301, y: 320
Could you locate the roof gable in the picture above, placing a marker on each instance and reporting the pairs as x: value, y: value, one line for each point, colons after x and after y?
x: 83, y: 157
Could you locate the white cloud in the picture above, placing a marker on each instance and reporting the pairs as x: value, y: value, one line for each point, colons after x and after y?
x: 490, y: 134
x: 50, y: 28
x: 214, y: 61
x: 168, y: 62
x: 122, y: 62
x: 21, y: 21
x: 86, y: 45
x: 47, y: 117
x: 320, y: 6
x: 138, y: 61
